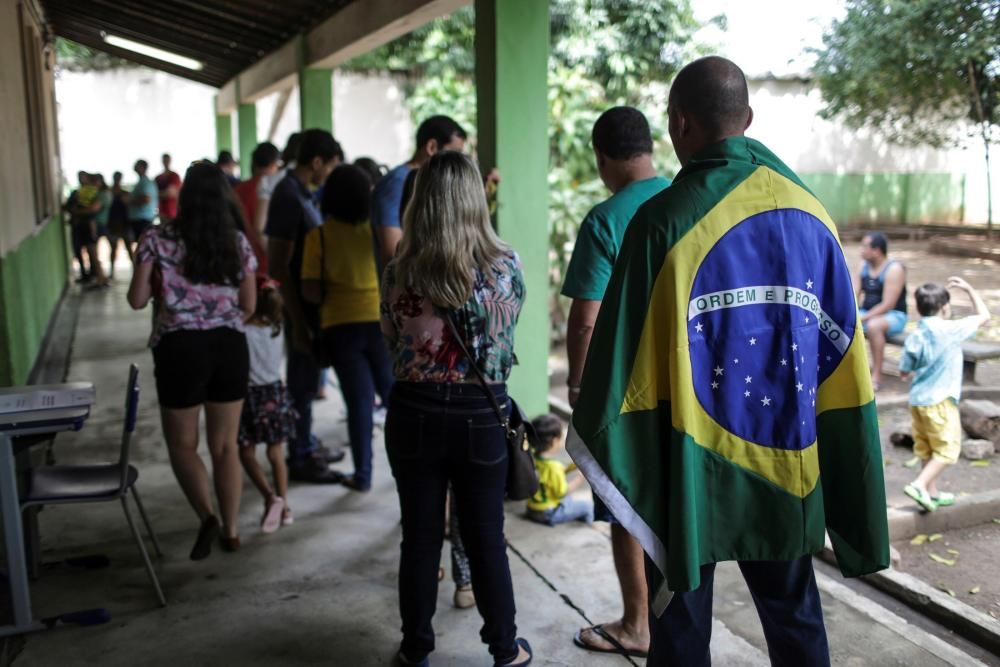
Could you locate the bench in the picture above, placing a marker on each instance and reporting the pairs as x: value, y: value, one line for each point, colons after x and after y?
x: 972, y: 352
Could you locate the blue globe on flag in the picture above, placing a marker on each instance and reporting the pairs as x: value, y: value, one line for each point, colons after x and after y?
x: 766, y: 327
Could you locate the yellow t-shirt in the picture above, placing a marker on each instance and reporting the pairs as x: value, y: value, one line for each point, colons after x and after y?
x: 350, y: 282
x: 551, y: 484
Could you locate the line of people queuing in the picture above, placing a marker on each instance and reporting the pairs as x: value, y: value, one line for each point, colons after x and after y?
x: 385, y: 277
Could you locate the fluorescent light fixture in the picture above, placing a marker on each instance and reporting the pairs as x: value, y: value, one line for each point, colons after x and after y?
x: 152, y: 52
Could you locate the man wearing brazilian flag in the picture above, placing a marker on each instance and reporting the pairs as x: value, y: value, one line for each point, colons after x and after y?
x: 726, y: 410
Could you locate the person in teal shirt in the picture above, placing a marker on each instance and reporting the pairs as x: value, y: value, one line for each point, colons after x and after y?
x: 141, y: 203
x: 623, y: 147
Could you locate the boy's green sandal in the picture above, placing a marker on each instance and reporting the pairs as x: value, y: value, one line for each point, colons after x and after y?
x: 921, y: 496
x: 944, y: 499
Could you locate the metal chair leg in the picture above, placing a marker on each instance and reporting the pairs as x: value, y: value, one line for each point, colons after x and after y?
x: 145, y: 556
x: 145, y: 520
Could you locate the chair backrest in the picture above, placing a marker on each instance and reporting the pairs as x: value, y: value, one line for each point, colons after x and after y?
x: 131, y: 415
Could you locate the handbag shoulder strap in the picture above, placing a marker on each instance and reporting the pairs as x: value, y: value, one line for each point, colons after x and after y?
x: 322, y: 265
x: 504, y: 421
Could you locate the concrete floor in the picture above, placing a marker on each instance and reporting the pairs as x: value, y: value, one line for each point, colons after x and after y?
x: 323, y: 590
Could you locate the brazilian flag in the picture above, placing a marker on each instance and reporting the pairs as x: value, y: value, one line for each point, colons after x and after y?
x: 727, y: 410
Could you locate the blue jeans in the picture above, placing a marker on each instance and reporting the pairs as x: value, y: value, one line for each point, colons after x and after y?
x: 568, y: 509
x: 436, y: 434
x: 302, y: 383
x: 361, y: 361
x: 787, y: 602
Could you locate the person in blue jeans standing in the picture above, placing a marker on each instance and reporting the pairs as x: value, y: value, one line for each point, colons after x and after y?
x: 291, y: 214
x: 451, y: 273
x: 338, y: 272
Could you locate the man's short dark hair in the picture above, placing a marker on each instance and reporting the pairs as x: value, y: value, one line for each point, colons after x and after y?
x: 713, y: 90
x: 931, y: 298
x: 878, y: 241
x: 225, y: 157
x: 291, y: 152
x: 264, y: 155
x: 142, y: 163
x: 347, y: 194
x: 440, y: 128
x: 622, y: 133
x: 548, y: 428
x: 316, y: 143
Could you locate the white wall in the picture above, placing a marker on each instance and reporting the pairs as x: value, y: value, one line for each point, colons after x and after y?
x: 107, y: 120
x: 786, y: 120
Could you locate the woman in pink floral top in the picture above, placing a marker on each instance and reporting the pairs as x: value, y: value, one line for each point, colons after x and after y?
x: 199, y: 272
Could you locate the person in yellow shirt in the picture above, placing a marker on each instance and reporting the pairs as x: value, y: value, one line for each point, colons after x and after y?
x: 338, y: 272
x: 552, y: 504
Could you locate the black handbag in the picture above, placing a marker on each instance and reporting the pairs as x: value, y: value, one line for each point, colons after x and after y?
x: 522, y: 479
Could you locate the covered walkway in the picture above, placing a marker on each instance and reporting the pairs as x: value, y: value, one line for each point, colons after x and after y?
x: 323, y: 591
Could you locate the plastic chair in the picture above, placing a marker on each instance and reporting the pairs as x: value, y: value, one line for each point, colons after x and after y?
x: 67, y: 484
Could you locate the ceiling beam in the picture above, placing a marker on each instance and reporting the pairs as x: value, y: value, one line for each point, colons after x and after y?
x: 355, y: 29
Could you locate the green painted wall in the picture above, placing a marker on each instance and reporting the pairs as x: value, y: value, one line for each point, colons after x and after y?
x: 900, y: 198
x: 316, y: 99
x: 512, y: 51
x: 246, y: 118
x: 32, y: 280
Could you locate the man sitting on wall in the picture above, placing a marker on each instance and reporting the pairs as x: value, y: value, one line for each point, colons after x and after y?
x: 881, y: 290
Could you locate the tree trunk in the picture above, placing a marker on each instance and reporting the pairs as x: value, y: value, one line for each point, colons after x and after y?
x: 981, y: 419
x: 985, y: 127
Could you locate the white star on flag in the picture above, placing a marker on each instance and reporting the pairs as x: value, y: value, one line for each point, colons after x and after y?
x: 807, y: 319
x: 753, y: 341
x: 765, y: 401
x: 736, y: 361
x: 748, y: 379
x: 795, y: 347
x: 747, y: 394
x: 715, y: 385
x: 698, y: 327
x: 799, y: 386
x: 718, y: 370
x: 784, y: 362
x: 809, y: 284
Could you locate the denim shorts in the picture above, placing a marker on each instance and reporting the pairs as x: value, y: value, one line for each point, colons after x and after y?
x: 896, y: 319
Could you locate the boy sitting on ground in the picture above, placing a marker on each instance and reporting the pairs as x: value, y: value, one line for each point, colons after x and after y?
x: 552, y: 503
x: 933, y: 356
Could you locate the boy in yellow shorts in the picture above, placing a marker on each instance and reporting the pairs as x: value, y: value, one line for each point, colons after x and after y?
x: 932, y: 355
x: 552, y: 503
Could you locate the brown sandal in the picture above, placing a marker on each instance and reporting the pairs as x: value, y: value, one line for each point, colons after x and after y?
x: 230, y: 544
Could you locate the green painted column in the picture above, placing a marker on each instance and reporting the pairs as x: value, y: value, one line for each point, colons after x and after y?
x: 223, y: 130
x: 512, y: 53
x: 316, y: 99
x: 246, y: 116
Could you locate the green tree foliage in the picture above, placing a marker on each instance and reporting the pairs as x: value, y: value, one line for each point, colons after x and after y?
x: 80, y: 58
x: 603, y: 53
x: 916, y: 71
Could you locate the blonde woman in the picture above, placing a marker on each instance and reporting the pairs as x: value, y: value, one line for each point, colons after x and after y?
x: 440, y: 427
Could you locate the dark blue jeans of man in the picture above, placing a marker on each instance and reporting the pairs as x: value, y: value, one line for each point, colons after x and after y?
x: 361, y: 361
x: 436, y: 434
x: 787, y: 602
x: 302, y: 381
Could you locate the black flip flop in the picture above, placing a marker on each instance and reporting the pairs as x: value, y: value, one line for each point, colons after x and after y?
x: 208, y: 533
x: 606, y: 636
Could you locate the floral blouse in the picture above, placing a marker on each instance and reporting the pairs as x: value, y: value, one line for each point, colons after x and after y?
x: 181, y: 304
x: 422, y: 346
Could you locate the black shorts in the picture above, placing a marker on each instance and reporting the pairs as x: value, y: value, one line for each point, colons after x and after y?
x: 195, y: 367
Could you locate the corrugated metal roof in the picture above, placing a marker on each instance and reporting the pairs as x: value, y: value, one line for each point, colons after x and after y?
x: 226, y: 36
